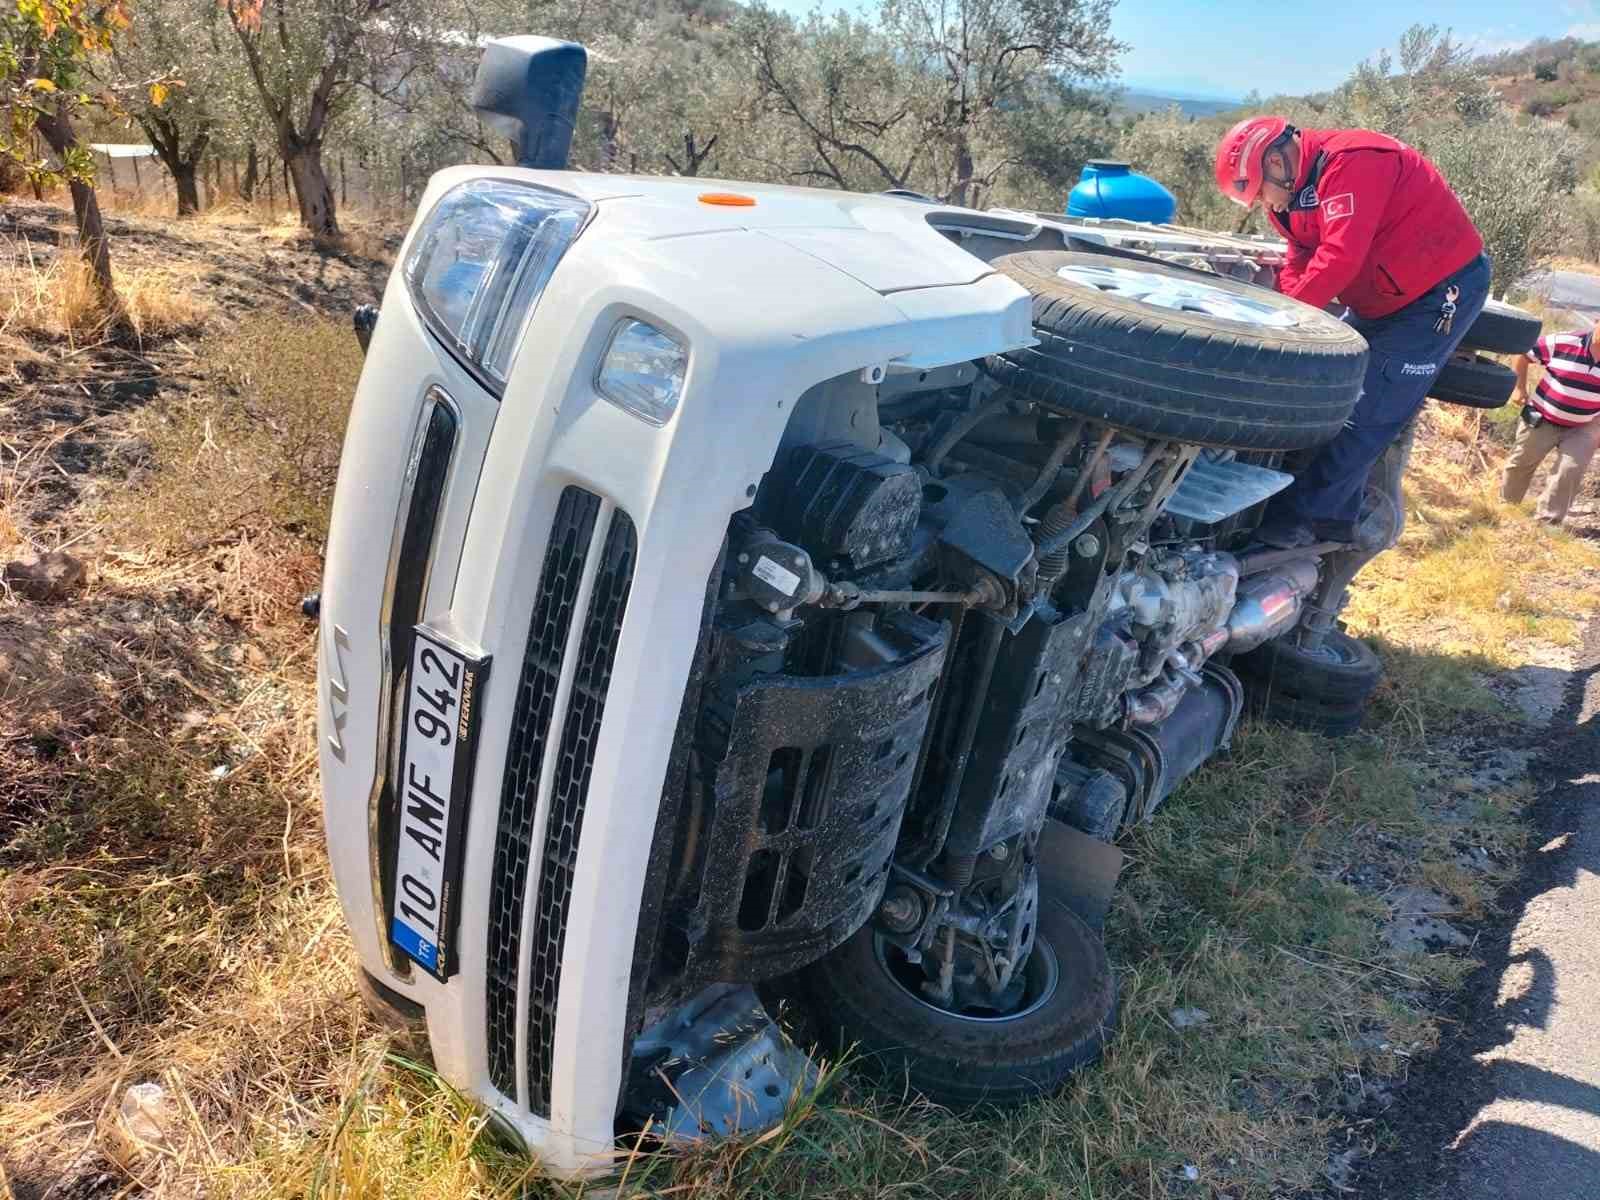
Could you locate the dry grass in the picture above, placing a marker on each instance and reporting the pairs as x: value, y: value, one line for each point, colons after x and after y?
x: 59, y: 298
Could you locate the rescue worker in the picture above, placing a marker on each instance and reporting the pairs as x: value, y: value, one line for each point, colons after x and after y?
x: 1372, y: 223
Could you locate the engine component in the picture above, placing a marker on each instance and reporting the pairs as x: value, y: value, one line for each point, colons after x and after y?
x: 805, y: 785
x: 1172, y: 601
x: 1269, y: 605
x: 1104, y: 675
x: 1150, y: 763
x: 985, y: 592
x: 1215, y: 490
x: 840, y: 501
x: 1089, y: 799
x: 1202, y: 724
x: 775, y: 574
x: 986, y: 530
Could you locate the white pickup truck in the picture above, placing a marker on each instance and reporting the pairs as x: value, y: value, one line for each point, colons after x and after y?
x: 739, y: 590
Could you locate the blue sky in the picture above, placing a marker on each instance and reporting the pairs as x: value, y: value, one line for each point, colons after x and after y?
x: 1228, y: 47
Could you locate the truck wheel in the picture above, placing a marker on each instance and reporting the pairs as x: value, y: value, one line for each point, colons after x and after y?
x: 1476, y: 382
x: 1315, y: 716
x: 1162, y: 351
x: 1343, y: 670
x: 865, y: 995
x: 1503, y: 329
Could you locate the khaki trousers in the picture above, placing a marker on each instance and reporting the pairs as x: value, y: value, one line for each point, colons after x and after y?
x: 1574, y: 446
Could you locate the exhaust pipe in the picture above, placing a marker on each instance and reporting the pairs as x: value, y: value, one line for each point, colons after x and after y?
x: 528, y: 89
x: 1268, y: 605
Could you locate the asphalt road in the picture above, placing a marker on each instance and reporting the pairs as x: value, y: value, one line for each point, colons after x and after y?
x: 1508, y: 1107
x: 1572, y: 290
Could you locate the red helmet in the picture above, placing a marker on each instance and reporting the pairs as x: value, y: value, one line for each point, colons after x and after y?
x: 1239, y: 153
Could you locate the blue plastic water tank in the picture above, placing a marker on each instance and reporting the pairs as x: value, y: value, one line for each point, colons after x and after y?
x: 1110, y: 189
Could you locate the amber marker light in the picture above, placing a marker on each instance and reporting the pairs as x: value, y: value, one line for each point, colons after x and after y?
x: 728, y: 199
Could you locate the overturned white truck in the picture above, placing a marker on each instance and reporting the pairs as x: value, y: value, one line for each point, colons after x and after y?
x: 738, y: 590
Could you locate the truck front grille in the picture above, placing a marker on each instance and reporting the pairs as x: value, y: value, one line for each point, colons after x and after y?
x: 564, y: 746
x: 597, y: 651
x: 564, y: 559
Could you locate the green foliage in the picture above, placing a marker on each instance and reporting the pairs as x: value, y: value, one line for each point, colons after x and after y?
x: 44, y: 45
x: 1180, y: 152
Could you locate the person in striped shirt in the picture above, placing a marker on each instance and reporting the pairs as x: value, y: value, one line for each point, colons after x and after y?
x: 1560, y: 416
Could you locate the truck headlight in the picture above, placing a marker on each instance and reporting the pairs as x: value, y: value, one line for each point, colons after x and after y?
x: 480, y: 261
x: 642, y: 371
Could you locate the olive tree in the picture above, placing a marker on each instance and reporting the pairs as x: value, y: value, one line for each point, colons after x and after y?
x: 184, y: 39
x: 307, y: 60
x: 44, y: 49
x: 840, y: 106
x: 980, y: 57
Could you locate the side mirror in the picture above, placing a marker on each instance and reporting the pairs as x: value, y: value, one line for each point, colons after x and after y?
x: 528, y: 89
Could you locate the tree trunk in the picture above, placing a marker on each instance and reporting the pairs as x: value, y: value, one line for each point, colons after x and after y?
x: 344, y: 190
x: 313, y: 192
x: 183, y: 177
x: 92, y: 238
x: 252, y: 172
x: 964, y: 167
x: 57, y: 131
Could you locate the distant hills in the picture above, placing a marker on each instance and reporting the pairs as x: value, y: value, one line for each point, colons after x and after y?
x: 1140, y: 100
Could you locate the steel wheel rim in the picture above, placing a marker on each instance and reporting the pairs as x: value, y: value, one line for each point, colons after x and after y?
x: 1179, y: 295
x: 1042, y: 972
x: 1333, y: 650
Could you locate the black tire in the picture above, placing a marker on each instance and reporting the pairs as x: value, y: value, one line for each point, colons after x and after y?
x: 1343, y: 670
x: 1503, y: 329
x: 1314, y: 716
x: 964, y: 1060
x: 1475, y: 382
x: 1172, y: 372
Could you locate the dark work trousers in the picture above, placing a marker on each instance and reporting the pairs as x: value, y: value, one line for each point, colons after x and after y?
x: 1406, y: 354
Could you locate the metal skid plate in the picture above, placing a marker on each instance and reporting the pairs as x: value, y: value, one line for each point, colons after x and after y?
x: 716, y: 1066
x: 808, y: 779
x: 1214, y: 491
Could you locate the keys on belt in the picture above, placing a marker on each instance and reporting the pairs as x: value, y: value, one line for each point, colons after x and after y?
x: 1447, y: 310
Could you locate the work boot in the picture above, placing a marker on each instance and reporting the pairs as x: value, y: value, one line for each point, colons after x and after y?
x: 1285, y: 535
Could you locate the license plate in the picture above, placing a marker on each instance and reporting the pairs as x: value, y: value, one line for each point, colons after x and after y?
x: 436, y: 749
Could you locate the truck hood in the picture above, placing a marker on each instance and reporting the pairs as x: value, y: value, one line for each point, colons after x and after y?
x: 888, y: 243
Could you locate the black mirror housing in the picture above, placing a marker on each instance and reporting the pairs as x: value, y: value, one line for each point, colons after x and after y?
x: 528, y: 88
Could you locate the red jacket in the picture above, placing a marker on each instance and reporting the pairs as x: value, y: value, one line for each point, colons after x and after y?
x: 1372, y: 222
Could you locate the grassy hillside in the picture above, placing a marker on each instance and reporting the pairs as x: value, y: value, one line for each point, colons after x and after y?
x: 1558, y: 80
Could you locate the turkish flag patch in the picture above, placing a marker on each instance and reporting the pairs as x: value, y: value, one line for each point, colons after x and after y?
x: 1342, y: 205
